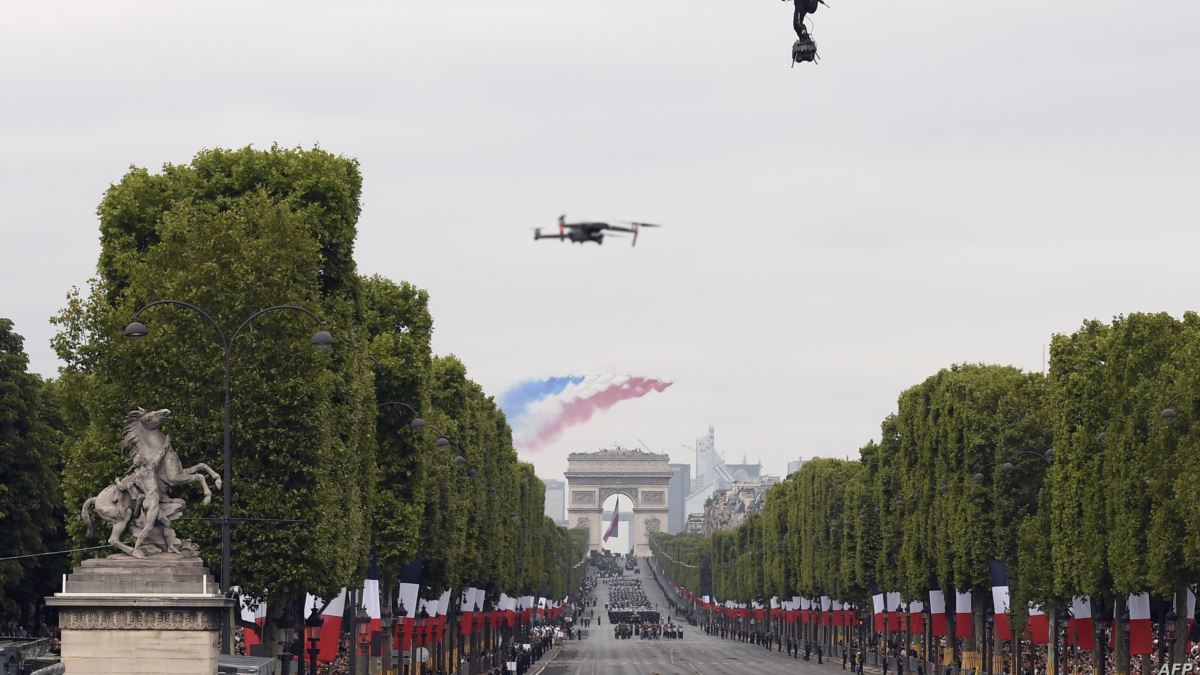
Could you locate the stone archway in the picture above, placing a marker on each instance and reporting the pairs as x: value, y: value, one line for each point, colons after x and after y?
x: 641, y: 477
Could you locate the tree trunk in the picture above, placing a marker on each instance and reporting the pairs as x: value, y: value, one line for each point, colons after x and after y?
x: 1121, y: 653
x: 1052, y: 648
x: 1179, y: 648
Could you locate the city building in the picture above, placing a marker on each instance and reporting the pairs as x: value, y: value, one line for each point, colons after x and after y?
x: 793, y: 467
x: 729, y: 507
x: 695, y: 524
x: 677, y: 492
x: 712, y: 473
x: 556, y: 500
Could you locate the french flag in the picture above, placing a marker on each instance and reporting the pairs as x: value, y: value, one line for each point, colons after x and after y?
x: 964, y: 626
x: 1141, y: 633
x: 406, y: 598
x: 893, y: 611
x: 256, y: 616
x: 1000, y: 599
x: 877, y: 606
x: 331, y: 628
x: 614, y: 527
x: 937, y: 614
x: 1081, y: 630
x: 1039, y: 625
x: 916, y: 616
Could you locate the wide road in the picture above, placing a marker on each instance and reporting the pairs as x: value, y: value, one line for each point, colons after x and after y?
x: 602, y: 654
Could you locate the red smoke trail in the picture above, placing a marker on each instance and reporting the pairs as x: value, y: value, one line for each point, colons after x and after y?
x: 581, y: 410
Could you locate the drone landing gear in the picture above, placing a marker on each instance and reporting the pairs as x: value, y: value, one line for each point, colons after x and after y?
x: 804, y: 50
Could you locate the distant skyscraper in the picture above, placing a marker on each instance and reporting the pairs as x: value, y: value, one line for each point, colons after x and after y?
x: 677, y: 493
x: 556, y: 500
x: 793, y: 467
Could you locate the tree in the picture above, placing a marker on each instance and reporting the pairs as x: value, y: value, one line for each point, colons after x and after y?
x: 234, y: 232
x: 30, y: 495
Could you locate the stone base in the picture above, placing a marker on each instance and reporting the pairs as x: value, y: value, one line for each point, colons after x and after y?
x: 192, y: 652
x: 120, y: 614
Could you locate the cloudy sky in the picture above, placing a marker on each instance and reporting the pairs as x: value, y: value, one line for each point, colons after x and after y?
x: 955, y: 181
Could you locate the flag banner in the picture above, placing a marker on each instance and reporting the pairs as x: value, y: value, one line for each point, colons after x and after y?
x: 1039, y: 625
x: 877, y: 607
x: 916, y: 616
x: 937, y: 614
x: 614, y: 527
x: 1081, y: 631
x: 1141, y: 633
x: 1000, y: 601
x: 893, y: 611
x: 331, y: 628
x: 256, y: 616
x: 370, y: 602
x: 964, y: 625
x: 465, y: 608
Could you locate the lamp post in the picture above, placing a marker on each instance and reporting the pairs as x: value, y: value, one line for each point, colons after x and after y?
x: 320, y: 339
x: 362, y: 636
x: 312, y: 633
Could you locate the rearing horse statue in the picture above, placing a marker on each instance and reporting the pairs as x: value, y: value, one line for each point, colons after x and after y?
x: 142, y: 496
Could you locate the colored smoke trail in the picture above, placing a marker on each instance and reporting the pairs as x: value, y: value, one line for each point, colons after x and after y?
x: 543, y: 420
x: 514, y: 401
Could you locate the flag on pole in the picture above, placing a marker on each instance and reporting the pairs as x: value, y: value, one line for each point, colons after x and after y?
x: 1141, y: 633
x: 964, y: 624
x: 937, y: 613
x: 1039, y: 625
x: 614, y: 526
x: 331, y: 628
x: 1081, y: 630
x: 1000, y: 600
x: 256, y: 616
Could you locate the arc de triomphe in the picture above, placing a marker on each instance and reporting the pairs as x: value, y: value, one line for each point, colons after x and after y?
x: 641, y: 477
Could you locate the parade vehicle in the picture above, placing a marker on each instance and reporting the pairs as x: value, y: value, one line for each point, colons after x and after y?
x: 594, y: 231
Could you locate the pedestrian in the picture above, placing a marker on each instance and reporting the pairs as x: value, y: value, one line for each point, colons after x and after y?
x: 845, y: 656
x: 820, y: 653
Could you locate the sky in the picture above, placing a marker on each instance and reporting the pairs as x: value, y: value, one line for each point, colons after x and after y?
x: 953, y: 182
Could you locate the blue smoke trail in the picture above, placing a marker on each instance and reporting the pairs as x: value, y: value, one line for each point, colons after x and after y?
x: 518, y: 397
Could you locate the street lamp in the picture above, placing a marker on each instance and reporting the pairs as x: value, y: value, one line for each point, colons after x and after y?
x: 362, y: 622
x: 312, y: 633
x: 320, y: 339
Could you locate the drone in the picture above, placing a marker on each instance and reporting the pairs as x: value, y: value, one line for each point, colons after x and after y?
x: 580, y: 233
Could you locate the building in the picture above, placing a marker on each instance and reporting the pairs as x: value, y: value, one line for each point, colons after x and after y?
x: 728, y: 508
x: 712, y: 473
x: 793, y: 467
x: 677, y: 492
x: 695, y: 524
x: 556, y: 500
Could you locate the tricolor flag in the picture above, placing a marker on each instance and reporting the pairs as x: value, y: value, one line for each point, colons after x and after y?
x: 331, y: 628
x: 1081, y: 631
x: 1000, y: 600
x: 1039, y: 625
x: 877, y: 608
x: 893, y: 611
x: 937, y: 613
x: 964, y: 626
x: 916, y: 616
x: 1141, y: 633
x: 614, y: 526
x: 406, y: 597
x: 256, y: 616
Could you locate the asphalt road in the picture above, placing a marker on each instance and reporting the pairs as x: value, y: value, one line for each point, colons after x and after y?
x: 602, y: 654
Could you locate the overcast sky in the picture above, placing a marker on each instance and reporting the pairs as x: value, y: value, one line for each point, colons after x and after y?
x: 955, y: 181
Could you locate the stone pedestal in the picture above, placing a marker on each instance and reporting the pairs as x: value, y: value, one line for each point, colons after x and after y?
x: 120, y: 614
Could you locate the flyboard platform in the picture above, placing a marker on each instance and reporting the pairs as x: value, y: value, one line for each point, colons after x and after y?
x: 804, y: 50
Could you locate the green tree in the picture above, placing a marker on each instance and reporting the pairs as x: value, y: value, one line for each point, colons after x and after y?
x: 30, y: 495
x: 234, y: 232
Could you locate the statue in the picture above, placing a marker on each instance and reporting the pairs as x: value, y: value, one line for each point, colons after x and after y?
x: 141, y: 497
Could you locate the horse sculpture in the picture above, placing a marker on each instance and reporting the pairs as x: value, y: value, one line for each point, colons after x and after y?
x: 142, y: 496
